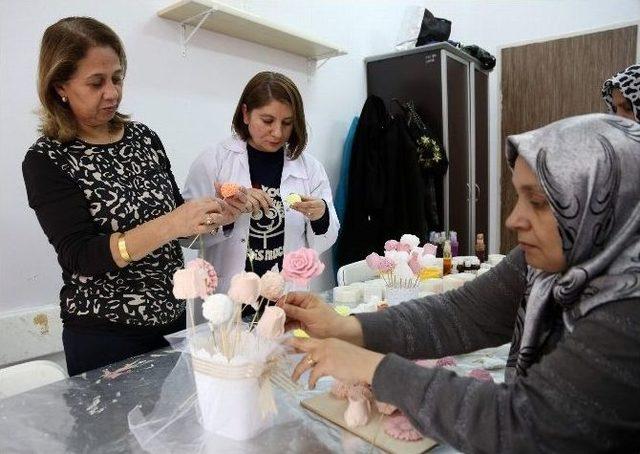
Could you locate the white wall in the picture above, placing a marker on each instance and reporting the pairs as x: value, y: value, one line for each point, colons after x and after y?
x: 189, y: 101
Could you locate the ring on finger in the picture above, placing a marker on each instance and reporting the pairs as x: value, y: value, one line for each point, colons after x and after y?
x: 310, y: 361
x: 208, y: 219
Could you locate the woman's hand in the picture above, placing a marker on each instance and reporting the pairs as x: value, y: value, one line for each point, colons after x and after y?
x: 233, y: 206
x: 310, y: 207
x: 257, y: 200
x: 336, y: 358
x: 307, y: 311
x: 195, y: 217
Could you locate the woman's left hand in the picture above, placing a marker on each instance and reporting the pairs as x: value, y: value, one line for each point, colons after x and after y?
x: 310, y: 207
x: 334, y: 357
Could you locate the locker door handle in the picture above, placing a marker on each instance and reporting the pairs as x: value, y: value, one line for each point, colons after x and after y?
x: 468, y: 192
x: 477, y: 191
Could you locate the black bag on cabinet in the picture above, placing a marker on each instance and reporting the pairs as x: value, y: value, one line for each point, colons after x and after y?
x: 487, y: 61
x: 433, y: 29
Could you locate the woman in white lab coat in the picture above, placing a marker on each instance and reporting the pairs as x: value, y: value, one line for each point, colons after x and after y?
x: 265, y: 157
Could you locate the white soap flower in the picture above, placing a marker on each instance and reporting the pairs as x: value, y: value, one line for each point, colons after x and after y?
x: 397, y: 257
x: 410, y: 240
x: 427, y: 260
x: 403, y: 271
x: 218, y: 309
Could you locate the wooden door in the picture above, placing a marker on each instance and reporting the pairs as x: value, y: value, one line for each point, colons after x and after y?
x: 544, y: 82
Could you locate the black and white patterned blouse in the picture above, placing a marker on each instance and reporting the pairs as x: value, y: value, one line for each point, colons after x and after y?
x: 81, y: 194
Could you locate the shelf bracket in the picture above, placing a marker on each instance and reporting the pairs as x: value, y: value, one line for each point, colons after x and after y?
x: 318, y: 62
x: 185, y: 38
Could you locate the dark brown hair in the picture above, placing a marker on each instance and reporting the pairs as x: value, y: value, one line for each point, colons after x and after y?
x: 263, y: 88
x: 63, y: 45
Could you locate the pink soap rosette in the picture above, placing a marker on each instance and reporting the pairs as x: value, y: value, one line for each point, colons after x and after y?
x: 372, y: 260
x: 245, y: 289
x: 301, y: 266
x: 211, y: 282
x: 391, y: 245
x: 386, y: 265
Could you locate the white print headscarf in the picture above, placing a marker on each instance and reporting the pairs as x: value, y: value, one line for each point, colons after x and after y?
x: 628, y: 82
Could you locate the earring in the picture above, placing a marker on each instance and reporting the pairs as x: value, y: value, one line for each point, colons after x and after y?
x: 64, y: 99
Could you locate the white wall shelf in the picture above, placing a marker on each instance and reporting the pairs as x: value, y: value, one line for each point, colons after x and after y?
x: 225, y: 19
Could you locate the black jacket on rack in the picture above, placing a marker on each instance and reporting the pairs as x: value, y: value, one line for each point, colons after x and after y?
x: 386, y: 192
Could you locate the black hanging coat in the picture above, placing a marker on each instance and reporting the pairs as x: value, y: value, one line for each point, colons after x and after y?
x: 386, y: 192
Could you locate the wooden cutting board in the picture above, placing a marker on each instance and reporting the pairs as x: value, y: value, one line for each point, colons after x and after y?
x: 333, y: 409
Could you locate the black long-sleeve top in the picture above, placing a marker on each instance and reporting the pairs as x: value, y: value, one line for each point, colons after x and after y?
x: 583, y: 394
x: 81, y: 194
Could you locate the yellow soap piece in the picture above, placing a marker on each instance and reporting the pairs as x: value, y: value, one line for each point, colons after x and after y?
x: 293, y: 198
x: 430, y: 272
x: 343, y: 310
x: 300, y: 333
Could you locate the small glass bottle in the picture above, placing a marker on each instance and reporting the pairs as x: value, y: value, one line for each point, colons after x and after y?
x: 454, y: 243
x: 480, y: 247
x: 446, y: 258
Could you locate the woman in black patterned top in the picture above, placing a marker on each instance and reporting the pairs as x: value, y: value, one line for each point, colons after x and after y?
x: 104, y: 194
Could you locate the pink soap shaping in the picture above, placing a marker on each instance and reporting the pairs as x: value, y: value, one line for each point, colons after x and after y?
x: 426, y: 362
x: 391, y: 245
x: 271, y: 285
x: 212, y: 276
x: 430, y: 249
x: 399, y: 427
x: 447, y: 361
x: 480, y: 374
x: 245, y: 289
x: 190, y: 283
x: 385, y: 408
x: 414, y: 264
x: 340, y: 389
x: 372, y: 260
x: 271, y: 324
x: 357, y: 412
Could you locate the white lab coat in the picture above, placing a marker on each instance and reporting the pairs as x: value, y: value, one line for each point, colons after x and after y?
x: 228, y: 162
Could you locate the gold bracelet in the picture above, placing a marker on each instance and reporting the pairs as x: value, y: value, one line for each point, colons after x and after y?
x: 122, y: 248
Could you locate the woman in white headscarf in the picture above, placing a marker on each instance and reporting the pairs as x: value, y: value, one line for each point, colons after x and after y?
x: 621, y: 93
x: 568, y: 297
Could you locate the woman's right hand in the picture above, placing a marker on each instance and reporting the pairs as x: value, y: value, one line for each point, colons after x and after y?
x: 198, y: 216
x: 258, y: 200
x: 307, y: 311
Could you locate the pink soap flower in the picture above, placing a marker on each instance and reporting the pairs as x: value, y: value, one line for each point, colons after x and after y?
x: 414, y: 264
x: 372, y: 260
x: 391, y: 245
x: 429, y: 249
x: 386, y: 265
x: 211, y: 281
x: 301, y: 266
x: 190, y: 283
x: 426, y: 363
x: 271, y: 285
x: 402, y: 247
x: 245, y: 289
x: 447, y: 361
x: 480, y: 374
x: 400, y: 428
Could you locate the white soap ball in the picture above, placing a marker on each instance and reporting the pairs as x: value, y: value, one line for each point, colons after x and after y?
x: 218, y: 309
